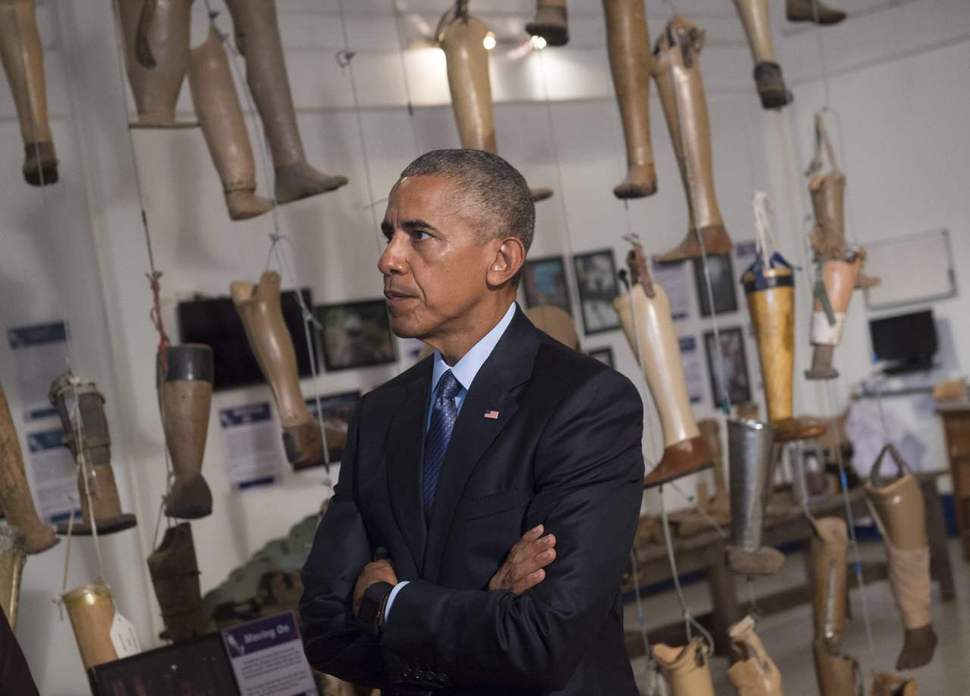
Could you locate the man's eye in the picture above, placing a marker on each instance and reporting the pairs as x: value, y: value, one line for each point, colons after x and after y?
x: 419, y: 235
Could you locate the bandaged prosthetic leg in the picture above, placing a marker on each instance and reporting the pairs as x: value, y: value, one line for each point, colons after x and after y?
x: 18, y: 504
x: 628, y: 40
x: 814, y: 11
x: 156, y: 34
x: 645, y: 317
x: 91, y: 609
x: 258, y: 39
x: 767, y: 72
x: 884, y: 684
x: 755, y: 673
x: 81, y: 409
x: 261, y: 313
x: 23, y: 62
x: 687, y: 668
x: 185, y: 395
x: 900, y: 511
x: 750, y: 445
x: 551, y: 22
x: 677, y: 70
x: 460, y: 37
x: 838, y: 281
x: 13, y: 555
x: 220, y: 115
x: 175, y: 575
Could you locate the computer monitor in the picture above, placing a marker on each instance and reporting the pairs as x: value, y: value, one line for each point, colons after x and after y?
x: 907, y: 341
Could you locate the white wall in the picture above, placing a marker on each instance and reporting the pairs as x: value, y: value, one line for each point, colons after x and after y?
x: 898, y: 83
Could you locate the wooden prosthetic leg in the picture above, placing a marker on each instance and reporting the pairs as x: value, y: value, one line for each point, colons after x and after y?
x: 175, y: 576
x: 677, y: 71
x: 23, y: 61
x: 767, y: 72
x: 13, y: 555
x: 839, y: 278
x: 884, y: 684
x: 755, y: 673
x: 556, y: 323
x: 551, y: 22
x: 686, y: 669
x: 812, y: 11
x: 91, y: 609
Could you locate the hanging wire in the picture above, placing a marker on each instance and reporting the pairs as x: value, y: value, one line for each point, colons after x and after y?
x: 652, y: 669
x: 405, y: 79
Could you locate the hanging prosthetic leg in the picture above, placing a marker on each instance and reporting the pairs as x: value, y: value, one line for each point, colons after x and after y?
x: 686, y: 669
x: 13, y: 555
x: 677, y: 71
x: 258, y: 39
x: 755, y: 673
x: 901, y: 513
x: 838, y: 280
x: 767, y: 72
x: 460, y: 37
x: 812, y: 11
x: 175, y: 575
x: 217, y: 107
x: 185, y: 393
x: 91, y: 609
x: 628, y: 40
x: 717, y: 506
x: 81, y: 409
x: 884, y: 684
x: 645, y: 316
x: 551, y: 22
x: 261, y: 313
x: 18, y: 504
x: 556, y: 323
x: 23, y: 61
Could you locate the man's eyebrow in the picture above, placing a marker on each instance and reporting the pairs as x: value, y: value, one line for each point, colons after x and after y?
x: 387, y: 228
x: 417, y: 224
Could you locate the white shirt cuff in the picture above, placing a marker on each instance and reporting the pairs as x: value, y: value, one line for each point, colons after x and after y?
x: 391, y: 597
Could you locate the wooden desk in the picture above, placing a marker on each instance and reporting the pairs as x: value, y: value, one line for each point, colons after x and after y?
x: 956, y: 427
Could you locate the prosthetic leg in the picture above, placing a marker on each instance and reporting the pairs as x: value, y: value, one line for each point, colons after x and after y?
x: 81, y: 409
x: 91, y: 609
x: 13, y: 555
x: 555, y: 322
x: 18, y: 504
x: 217, y: 107
x: 175, y: 575
x: 461, y: 39
x: 839, y: 279
x: 884, y: 684
x: 717, y: 506
x: 185, y: 393
x: 827, y: 190
x: 767, y: 72
x: 629, y: 45
x: 677, y: 71
x: 901, y: 513
x: 812, y: 11
x: 156, y: 34
x: 261, y: 313
x: 749, y: 451
x: 551, y: 22
x: 686, y: 669
x: 258, y: 39
x: 645, y: 317
x: 23, y: 61
x: 755, y: 673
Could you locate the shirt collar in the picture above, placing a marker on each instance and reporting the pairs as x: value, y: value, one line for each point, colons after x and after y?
x: 472, y: 361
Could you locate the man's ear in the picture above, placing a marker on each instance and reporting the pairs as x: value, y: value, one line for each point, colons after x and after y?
x: 508, y: 260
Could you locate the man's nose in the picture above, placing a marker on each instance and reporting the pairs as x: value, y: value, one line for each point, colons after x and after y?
x: 393, y: 261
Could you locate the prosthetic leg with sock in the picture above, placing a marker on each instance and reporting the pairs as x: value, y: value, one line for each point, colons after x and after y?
x: 686, y: 669
x: 220, y: 115
x: 551, y: 22
x: 460, y: 37
x: 13, y: 555
x: 258, y: 39
x: 175, y: 575
x: 261, y: 313
x: 23, y: 61
x: 755, y: 673
x: 812, y: 11
x: 677, y: 71
x: 901, y: 512
x: 628, y: 40
x: 767, y: 72
x: 18, y: 504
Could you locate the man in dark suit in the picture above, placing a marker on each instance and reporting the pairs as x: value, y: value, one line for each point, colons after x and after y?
x: 502, y: 435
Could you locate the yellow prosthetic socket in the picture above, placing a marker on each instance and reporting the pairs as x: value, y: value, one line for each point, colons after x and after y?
x: 686, y: 669
x: 556, y: 323
x: 91, y: 609
x: 13, y: 555
x: 755, y: 673
x: 767, y: 72
x: 838, y: 278
x: 551, y: 22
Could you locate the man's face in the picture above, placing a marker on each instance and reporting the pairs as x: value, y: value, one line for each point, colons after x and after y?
x: 436, y: 261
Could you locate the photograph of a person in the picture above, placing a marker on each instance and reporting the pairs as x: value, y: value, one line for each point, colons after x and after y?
x: 544, y: 282
x: 596, y: 280
x: 722, y: 287
x: 735, y: 363
x: 355, y: 334
x: 337, y: 410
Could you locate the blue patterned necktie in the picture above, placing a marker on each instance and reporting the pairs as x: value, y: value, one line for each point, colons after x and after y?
x: 444, y: 413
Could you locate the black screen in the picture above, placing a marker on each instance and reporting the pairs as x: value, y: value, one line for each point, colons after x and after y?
x: 907, y: 338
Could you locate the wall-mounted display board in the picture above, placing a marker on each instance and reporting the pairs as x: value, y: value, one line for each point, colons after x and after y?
x: 914, y: 268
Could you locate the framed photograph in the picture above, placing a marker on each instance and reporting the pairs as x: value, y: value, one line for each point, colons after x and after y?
x: 337, y: 409
x: 355, y: 334
x: 735, y: 363
x: 596, y: 278
x: 604, y: 355
x: 544, y: 282
x: 723, y: 285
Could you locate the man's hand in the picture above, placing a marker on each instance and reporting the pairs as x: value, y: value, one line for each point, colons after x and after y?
x: 523, y: 568
x: 375, y: 571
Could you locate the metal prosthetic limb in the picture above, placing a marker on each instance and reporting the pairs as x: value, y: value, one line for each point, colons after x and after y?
x: 81, y: 409
x: 91, y: 609
x: 677, y: 72
x: 755, y: 673
x: 258, y: 38
x: 185, y: 394
x: 220, y: 115
x: 628, y: 40
x: 838, y: 279
x: 261, y: 313
x: 23, y: 62
x: 551, y: 22
x: 175, y: 576
x: 13, y: 555
x: 18, y: 504
x: 156, y: 35
x: 812, y: 11
x: 556, y: 323
x: 686, y: 669
x: 767, y: 72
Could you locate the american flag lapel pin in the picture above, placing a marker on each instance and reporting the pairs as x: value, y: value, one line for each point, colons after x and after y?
x: 491, y: 415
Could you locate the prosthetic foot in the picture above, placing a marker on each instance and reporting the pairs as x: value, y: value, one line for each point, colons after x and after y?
x: 13, y: 555
x: 645, y: 317
x: 185, y: 393
x: 812, y: 11
x: 156, y: 34
x: 91, y: 609
x: 556, y: 323
x: 755, y: 673
x: 175, y: 575
x: 81, y: 409
x: 686, y: 669
x: 23, y: 61
x: 767, y: 72
x: 217, y: 107
x: 884, y: 684
x: 838, y: 675
x: 551, y: 22
x: 261, y: 313
x: 901, y: 514
x: 628, y: 40
x: 839, y: 278
x: 677, y: 71
x: 258, y: 39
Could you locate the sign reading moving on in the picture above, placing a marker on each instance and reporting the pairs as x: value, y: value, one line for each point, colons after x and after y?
x: 267, y: 658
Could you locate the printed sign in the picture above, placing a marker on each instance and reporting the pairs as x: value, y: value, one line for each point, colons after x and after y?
x: 267, y: 658
x: 40, y: 351
x: 253, y: 446
x: 53, y: 475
